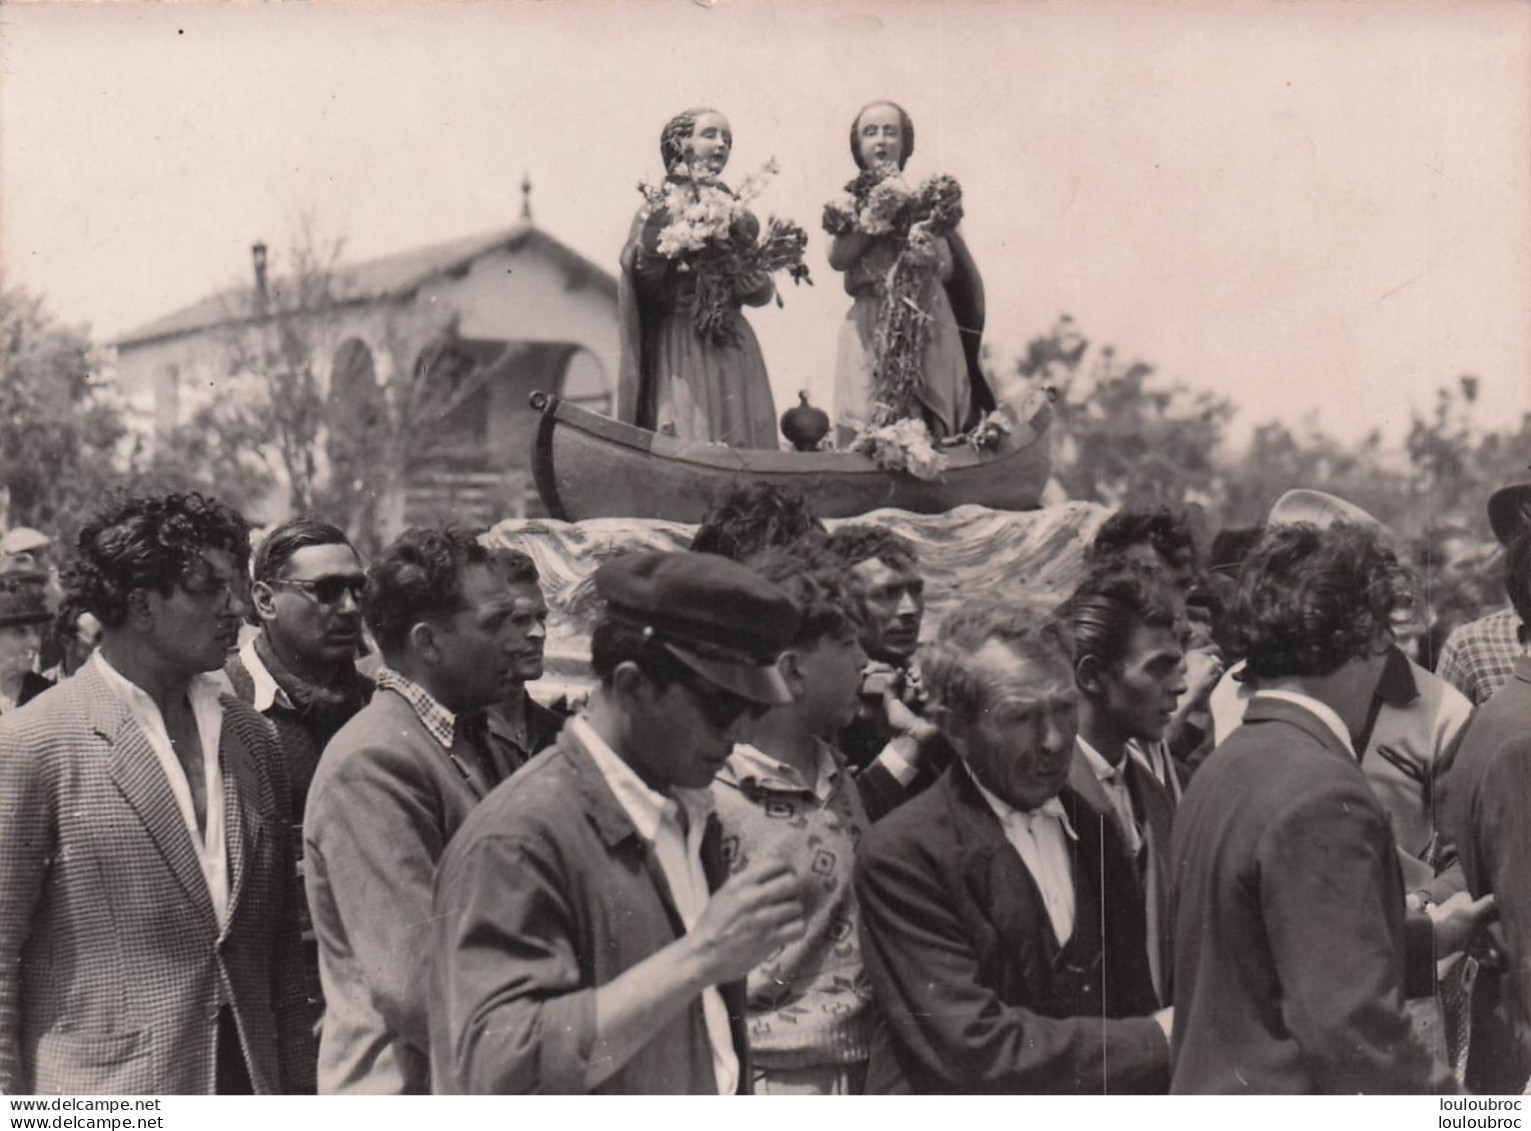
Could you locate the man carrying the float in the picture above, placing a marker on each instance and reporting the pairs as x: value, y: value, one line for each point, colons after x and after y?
x: 897, y: 753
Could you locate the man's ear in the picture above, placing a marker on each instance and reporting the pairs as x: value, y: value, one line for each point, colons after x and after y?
x: 264, y: 600
x: 140, y: 610
x: 1090, y: 674
x: 789, y: 664
x: 628, y: 681
x: 422, y: 640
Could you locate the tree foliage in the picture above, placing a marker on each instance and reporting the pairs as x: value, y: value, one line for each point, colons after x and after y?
x: 1124, y: 437
x: 59, y: 428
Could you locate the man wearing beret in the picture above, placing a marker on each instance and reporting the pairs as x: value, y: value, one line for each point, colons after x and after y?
x: 583, y: 938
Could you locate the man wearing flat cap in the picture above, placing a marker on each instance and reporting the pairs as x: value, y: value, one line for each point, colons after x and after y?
x: 23, y: 614
x: 583, y: 938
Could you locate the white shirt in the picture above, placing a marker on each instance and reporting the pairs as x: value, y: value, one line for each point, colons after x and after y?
x: 264, y: 686
x: 658, y: 820
x: 1326, y: 714
x: 1113, y: 780
x: 1041, y: 839
x: 202, y: 693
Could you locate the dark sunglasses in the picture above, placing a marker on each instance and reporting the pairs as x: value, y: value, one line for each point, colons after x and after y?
x: 721, y: 709
x: 328, y: 590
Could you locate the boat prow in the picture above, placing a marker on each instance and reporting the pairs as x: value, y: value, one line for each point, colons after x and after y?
x: 590, y: 466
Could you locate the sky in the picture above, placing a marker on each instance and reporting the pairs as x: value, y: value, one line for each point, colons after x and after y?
x: 1319, y: 210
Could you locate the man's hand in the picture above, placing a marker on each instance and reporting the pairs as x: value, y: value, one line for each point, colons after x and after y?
x: 1455, y: 920
x: 1166, y: 1019
x: 903, y: 719
x: 748, y: 919
x: 1203, y: 668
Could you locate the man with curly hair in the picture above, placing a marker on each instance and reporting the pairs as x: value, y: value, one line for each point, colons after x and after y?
x: 754, y: 518
x: 391, y: 790
x: 148, y: 939
x: 1289, y: 906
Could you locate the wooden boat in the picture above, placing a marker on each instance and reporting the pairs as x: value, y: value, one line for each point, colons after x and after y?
x: 591, y: 466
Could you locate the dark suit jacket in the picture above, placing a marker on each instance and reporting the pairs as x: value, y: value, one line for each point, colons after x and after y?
x: 112, y: 964
x: 1155, y: 809
x: 1487, y: 812
x: 965, y: 967
x: 547, y: 893
x: 1289, y: 921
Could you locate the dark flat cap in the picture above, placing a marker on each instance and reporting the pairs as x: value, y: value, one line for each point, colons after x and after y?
x: 1509, y: 511
x: 24, y: 599
x: 719, y: 618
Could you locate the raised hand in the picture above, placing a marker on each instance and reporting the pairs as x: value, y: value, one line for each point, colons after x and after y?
x: 751, y: 916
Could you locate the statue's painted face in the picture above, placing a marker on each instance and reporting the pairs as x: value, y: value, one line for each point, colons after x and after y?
x: 880, y: 134
x: 710, y: 143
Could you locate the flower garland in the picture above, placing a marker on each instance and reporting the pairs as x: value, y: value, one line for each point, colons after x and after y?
x: 707, y: 228
x: 902, y: 445
x: 882, y: 203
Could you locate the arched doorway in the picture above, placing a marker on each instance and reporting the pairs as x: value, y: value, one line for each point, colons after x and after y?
x: 474, y: 451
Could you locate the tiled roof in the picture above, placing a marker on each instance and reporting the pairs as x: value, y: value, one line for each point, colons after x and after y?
x: 391, y: 276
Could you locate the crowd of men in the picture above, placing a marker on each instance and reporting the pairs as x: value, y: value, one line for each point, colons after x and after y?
x: 294, y: 824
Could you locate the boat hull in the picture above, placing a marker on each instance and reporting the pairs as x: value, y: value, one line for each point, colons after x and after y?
x: 590, y: 466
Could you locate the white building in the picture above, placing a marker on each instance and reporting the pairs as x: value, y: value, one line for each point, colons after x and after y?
x: 514, y: 311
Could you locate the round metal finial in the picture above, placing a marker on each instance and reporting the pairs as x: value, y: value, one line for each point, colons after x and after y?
x: 526, y: 197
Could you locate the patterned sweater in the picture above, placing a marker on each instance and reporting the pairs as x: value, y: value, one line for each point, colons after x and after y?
x: 810, y: 1002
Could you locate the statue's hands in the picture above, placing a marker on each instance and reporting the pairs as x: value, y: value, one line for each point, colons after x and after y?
x: 754, y: 287
x: 653, y: 224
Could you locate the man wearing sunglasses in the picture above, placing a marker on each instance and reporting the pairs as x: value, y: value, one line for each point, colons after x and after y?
x: 300, y: 670
x: 584, y: 939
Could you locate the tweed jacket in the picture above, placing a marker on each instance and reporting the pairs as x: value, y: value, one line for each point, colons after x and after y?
x: 386, y: 800
x: 1488, y: 812
x: 975, y: 991
x: 1290, y: 942
x: 113, y: 968
x: 547, y: 893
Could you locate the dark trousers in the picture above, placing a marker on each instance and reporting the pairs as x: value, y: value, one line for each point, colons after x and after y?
x: 232, y: 1073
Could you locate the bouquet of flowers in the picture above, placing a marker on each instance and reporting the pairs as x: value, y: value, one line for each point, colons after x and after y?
x: 990, y: 432
x: 882, y: 203
x: 707, y: 228
x: 901, y: 445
